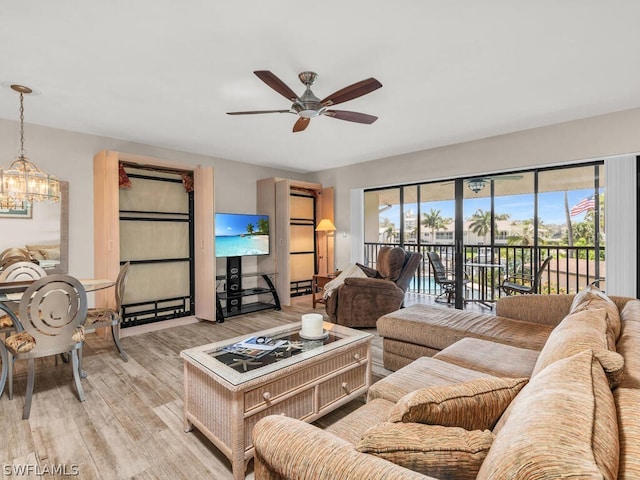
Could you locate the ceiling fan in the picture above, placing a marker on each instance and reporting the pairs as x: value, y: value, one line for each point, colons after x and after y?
x: 308, y: 106
x: 477, y: 184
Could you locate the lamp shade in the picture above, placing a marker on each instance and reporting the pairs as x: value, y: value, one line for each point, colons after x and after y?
x: 326, y: 225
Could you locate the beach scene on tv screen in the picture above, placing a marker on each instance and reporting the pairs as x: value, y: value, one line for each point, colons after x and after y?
x: 241, y: 235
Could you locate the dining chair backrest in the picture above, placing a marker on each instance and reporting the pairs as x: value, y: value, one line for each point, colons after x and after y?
x: 51, y: 309
x: 20, y: 271
x: 121, y: 284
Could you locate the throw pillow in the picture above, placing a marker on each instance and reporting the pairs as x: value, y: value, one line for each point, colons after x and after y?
x: 442, y: 452
x: 591, y: 298
x: 368, y: 271
x: 50, y: 253
x: 390, y: 262
x: 583, y: 330
x: 35, y: 253
x: 473, y: 405
x: 561, y: 425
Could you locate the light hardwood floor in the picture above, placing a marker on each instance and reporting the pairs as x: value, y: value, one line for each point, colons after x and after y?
x: 130, y: 426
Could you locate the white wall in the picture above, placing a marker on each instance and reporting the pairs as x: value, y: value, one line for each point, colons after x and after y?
x: 69, y: 156
x: 587, y: 139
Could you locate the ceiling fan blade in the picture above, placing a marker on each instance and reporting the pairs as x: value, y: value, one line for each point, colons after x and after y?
x: 278, y: 85
x: 351, y: 116
x: 254, y: 112
x: 352, y: 91
x: 301, y: 124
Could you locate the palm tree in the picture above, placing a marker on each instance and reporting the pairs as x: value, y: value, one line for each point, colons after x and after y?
x: 526, y: 238
x: 263, y: 226
x: 434, y: 221
x: 481, y: 222
x: 250, y: 228
x: 389, y: 233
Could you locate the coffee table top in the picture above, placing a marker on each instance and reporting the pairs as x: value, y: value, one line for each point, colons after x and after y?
x: 237, y: 366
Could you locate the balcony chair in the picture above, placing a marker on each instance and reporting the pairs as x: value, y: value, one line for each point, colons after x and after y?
x: 359, y: 302
x: 524, y: 283
x: 111, y: 317
x: 445, y: 278
x: 51, y: 313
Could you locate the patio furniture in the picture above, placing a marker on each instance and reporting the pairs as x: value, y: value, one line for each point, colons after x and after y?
x: 443, y: 277
x: 524, y: 283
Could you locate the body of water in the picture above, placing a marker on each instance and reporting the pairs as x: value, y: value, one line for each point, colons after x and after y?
x: 235, y: 245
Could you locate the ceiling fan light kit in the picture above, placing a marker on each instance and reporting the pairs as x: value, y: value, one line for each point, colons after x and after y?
x: 308, y: 106
x: 476, y: 184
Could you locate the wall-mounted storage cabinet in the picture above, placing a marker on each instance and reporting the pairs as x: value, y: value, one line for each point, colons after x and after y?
x: 297, y: 250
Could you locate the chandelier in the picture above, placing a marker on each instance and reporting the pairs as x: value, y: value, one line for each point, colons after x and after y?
x: 23, y: 182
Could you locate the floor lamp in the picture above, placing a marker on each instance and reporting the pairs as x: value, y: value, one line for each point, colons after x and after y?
x: 327, y: 227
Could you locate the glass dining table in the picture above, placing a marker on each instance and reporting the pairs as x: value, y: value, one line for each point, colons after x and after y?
x: 11, y: 292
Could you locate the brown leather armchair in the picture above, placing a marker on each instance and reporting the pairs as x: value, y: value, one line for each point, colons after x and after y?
x: 359, y: 302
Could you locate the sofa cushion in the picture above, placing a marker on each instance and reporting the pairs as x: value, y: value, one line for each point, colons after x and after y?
x: 627, y: 402
x: 423, y: 372
x: 593, y: 298
x: 583, y: 330
x: 438, y: 327
x: 442, y: 452
x: 489, y: 357
x: 352, y: 426
x: 629, y: 344
x: 390, y: 262
x: 473, y: 405
x: 562, y: 425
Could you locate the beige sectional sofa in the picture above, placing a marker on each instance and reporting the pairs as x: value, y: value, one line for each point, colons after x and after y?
x: 547, y: 388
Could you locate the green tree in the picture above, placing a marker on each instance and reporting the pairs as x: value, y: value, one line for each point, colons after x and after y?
x: 389, y: 233
x: 434, y: 222
x: 481, y: 222
x: 263, y: 226
x: 526, y: 237
x: 250, y: 228
x: 388, y: 228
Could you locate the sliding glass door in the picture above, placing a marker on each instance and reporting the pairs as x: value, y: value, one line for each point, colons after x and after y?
x: 485, y: 229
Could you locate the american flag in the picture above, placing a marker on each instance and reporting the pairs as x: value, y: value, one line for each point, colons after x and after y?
x: 584, y: 205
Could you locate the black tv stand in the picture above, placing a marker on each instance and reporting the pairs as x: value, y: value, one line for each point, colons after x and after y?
x: 234, y: 295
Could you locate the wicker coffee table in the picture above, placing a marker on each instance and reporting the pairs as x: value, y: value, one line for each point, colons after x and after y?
x: 226, y: 393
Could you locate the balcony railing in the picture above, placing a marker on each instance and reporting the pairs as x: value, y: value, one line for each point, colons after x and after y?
x: 570, y: 270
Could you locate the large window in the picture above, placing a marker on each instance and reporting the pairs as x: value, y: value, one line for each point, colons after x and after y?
x: 514, y: 220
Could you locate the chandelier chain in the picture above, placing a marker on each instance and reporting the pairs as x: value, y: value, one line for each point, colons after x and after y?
x: 21, y: 152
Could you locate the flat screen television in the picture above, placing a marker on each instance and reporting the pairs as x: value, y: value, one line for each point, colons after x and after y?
x: 241, y: 234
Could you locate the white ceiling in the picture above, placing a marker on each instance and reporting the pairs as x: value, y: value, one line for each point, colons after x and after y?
x: 163, y: 72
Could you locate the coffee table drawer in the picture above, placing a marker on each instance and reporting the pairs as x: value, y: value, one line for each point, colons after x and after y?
x: 342, y: 385
x: 299, y: 406
x: 269, y: 392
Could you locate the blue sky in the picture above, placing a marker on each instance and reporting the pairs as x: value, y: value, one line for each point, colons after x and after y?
x: 235, y: 224
x: 520, y: 207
